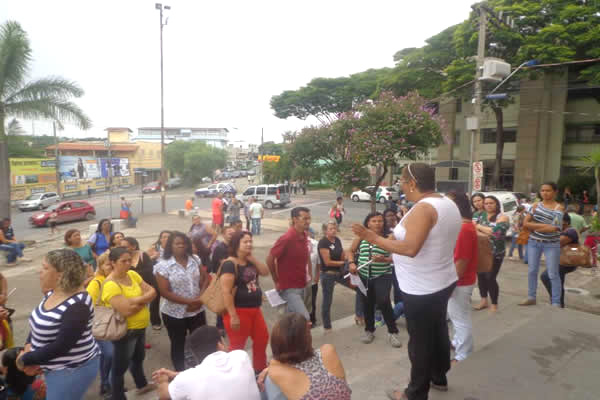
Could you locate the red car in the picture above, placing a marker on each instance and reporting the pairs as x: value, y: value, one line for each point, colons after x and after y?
x: 67, y: 211
x: 151, y: 187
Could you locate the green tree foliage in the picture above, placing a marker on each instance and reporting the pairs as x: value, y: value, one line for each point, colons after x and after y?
x: 44, y: 98
x: 194, y: 160
x: 271, y: 148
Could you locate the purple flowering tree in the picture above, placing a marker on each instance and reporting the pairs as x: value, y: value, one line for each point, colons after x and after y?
x: 386, y: 130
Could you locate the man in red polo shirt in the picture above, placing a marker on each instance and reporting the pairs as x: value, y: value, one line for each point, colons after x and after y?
x: 287, y: 261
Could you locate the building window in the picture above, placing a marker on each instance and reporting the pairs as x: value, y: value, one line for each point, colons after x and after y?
x: 457, y: 137
x: 506, y: 178
x: 582, y: 133
x: 458, y: 105
x: 453, y: 174
x: 489, y: 135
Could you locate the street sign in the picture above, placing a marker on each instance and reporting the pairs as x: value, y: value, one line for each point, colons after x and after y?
x: 478, y: 169
x: 477, y: 184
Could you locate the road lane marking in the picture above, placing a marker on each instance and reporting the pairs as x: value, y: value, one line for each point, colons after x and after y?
x: 303, y: 205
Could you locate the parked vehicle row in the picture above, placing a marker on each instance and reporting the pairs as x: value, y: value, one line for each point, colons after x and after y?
x: 212, y: 190
x: 235, y: 174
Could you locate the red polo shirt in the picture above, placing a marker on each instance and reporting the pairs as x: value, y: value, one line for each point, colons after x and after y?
x: 291, y: 252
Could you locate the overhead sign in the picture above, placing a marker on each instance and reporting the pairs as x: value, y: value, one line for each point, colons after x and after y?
x: 269, y: 158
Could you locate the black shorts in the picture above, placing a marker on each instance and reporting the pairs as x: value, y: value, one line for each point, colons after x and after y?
x: 52, y: 224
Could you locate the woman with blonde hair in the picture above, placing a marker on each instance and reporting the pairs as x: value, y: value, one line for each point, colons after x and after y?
x: 94, y: 288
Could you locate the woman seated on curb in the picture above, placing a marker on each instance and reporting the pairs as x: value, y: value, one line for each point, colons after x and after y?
x: 297, y: 371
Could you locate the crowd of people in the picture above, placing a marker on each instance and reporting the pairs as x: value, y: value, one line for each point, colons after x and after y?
x: 418, y: 259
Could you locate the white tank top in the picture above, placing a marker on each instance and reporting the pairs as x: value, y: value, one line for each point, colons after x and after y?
x: 432, y: 269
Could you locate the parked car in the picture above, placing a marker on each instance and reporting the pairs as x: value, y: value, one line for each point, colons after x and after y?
x: 362, y: 195
x: 236, y: 174
x: 38, y: 201
x: 243, y: 173
x: 206, y: 179
x: 151, y: 187
x: 508, y: 202
x: 251, y: 172
x: 173, y: 183
x: 385, y: 193
x: 269, y: 195
x: 67, y: 211
x: 212, y: 190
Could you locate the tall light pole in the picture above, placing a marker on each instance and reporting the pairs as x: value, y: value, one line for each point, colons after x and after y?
x: 163, y: 172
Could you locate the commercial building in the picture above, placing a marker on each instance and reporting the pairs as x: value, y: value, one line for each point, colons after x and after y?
x: 216, y: 137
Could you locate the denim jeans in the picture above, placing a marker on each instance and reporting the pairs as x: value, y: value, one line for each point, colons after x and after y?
x: 328, y: 281
x: 534, y: 253
x: 11, y: 252
x: 459, y: 311
x: 562, y: 272
x: 71, y: 383
x: 514, y: 244
x: 106, y: 356
x: 295, y: 301
x: 272, y: 391
x: 18, y: 246
x: 256, y: 226
x: 129, y: 353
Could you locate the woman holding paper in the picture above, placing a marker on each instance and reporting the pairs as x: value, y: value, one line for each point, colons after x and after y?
x: 243, y: 297
x: 377, y: 278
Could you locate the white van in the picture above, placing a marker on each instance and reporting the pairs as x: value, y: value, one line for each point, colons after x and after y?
x: 508, y: 202
x: 269, y: 195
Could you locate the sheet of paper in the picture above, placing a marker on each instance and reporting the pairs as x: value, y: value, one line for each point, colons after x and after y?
x: 356, y: 281
x: 274, y: 298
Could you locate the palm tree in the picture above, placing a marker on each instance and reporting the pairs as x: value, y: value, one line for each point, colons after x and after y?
x: 46, y: 98
x: 14, y: 128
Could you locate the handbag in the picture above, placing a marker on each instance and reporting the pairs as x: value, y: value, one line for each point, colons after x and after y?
x: 575, y: 255
x: 523, y: 237
x: 108, y: 323
x: 212, y: 297
x: 484, y: 254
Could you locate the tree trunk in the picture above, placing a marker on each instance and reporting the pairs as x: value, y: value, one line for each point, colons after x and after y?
x: 378, y: 181
x: 4, y: 173
x: 597, y: 176
x: 499, y: 147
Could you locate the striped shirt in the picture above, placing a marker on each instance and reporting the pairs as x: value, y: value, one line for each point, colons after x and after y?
x: 53, y: 345
x: 365, y: 252
x: 543, y: 215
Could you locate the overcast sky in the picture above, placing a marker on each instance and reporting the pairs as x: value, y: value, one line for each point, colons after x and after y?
x: 223, y: 60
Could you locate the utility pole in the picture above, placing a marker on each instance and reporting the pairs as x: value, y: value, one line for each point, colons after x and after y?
x: 57, y: 159
x: 476, y: 133
x: 110, y: 179
x: 163, y: 172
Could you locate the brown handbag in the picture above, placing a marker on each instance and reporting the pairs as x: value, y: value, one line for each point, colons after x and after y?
x: 212, y: 297
x: 575, y: 255
x: 484, y: 253
x: 523, y: 237
x: 108, y: 323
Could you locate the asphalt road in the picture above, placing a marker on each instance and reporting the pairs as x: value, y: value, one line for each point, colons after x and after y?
x: 319, y: 202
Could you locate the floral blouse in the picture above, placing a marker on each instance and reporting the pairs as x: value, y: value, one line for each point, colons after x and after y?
x: 497, y: 240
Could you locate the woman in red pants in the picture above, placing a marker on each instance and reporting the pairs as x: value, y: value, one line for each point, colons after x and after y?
x: 243, y: 298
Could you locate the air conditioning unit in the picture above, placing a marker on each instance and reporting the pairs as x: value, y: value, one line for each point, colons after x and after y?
x: 495, y: 70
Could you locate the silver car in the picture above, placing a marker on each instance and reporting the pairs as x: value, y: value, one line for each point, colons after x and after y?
x: 38, y: 201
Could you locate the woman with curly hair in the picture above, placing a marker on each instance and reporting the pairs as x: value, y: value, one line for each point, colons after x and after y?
x: 60, y: 343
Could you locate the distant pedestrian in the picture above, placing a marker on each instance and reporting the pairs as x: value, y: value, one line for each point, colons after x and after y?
x: 52, y: 220
x: 247, y: 213
x: 303, y: 186
x: 337, y: 211
x: 257, y: 213
x: 217, y: 213
x: 567, y: 196
x: 89, y: 191
x: 234, y: 210
x: 189, y: 204
x: 287, y: 261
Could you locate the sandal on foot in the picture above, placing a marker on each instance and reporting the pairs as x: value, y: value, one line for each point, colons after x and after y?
x: 392, y: 394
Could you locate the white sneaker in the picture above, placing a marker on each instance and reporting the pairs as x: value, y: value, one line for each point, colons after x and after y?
x: 367, y: 337
x: 394, y: 340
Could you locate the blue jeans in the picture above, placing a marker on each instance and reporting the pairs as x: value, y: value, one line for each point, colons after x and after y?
x: 256, y: 226
x: 328, y: 281
x: 106, y: 356
x: 514, y: 244
x: 552, y: 252
x: 295, y: 301
x: 18, y: 246
x: 11, y: 252
x: 71, y: 383
x: 272, y: 391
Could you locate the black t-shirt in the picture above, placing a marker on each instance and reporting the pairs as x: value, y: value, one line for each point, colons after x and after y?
x: 220, y: 253
x: 248, y: 293
x: 335, y: 252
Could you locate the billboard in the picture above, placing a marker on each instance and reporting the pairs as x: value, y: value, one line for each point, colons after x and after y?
x: 120, y: 167
x: 84, y: 167
x: 78, y: 167
x: 32, y: 171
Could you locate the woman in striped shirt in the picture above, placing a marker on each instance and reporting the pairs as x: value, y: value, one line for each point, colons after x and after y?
x: 545, y: 223
x: 60, y: 342
x: 377, y: 278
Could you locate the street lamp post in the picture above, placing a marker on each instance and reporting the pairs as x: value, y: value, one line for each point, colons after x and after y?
x: 163, y: 172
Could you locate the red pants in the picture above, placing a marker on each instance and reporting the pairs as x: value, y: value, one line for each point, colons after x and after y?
x: 252, y: 324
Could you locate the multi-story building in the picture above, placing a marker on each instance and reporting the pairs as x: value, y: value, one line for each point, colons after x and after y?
x: 240, y: 153
x: 552, y: 124
x: 216, y: 137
